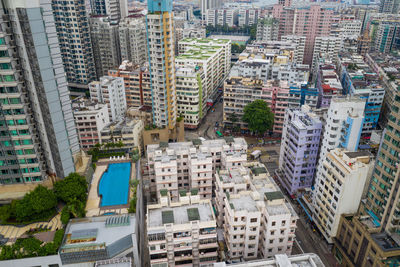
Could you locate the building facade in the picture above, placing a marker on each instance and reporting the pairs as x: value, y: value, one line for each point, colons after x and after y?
x: 160, y: 43
x: 299, y: 149
x: 90, y: 119
x: 311, y: 21
x: 340, y: 189
x: 73, y: 46
x: 105, y: 43
x: 192, y: 100
x: 111, y: 91
x: 128, y: 132
x: 132, y: 39
x: 38, y: 133
x: 256, y: 218
x: 136, y: 82
x: 326, y: 47
x: 170, y: 165
x: 182, y: 232
x: 358, y: 79
x: 267, y: 29
x: 387, y: 36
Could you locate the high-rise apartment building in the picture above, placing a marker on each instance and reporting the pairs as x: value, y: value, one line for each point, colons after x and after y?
x: 37, y: 130
x: 343, y: 124
x: 132, y: 39
x: 387, y: 36
x: 325, y: 47
x: 267, y: 29
x: 383, y: 196
x: 114, y: 9
x: 340, y: 189
x: 191, y: 95
x: 311, y: 21
x: 389, y: 6
x: 300, y: 43
x: 222, y: 16
x: 299, y: 149
x: 137, y: 84
x: 358, y: 79
x: 342, y: 129
x: 105, y: 43
x: 73, y: 30
x: 248, y: 17
x: 371, y: 237
x: 111, y: 91
x: 238, y: 92
x: 212, y: 55
x: 160, y: 44
x: 205, y: 5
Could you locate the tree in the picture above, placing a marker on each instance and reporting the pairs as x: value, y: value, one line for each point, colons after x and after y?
x: 71, y: 188
x: 65, y: 215
x: 5, y: 213
x: 36, y: 204
x: 235, y: 48
x: 258, y: 116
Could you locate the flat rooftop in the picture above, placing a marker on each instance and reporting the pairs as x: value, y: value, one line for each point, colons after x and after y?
x: 97, y: 231
x: 357, y: 154
x: 243, y: 203
x: 232, y: 176
x: 180, y: 215
x: 280, y: 260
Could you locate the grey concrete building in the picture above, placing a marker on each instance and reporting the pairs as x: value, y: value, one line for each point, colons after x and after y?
x: 132, y: 39
x: 105, y: 43
x: 72, y: 25
x: 37, y: 131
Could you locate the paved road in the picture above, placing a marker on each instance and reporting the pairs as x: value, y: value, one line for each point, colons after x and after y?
x: 206, y: 129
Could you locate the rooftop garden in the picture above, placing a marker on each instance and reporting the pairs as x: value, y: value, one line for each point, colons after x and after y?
x: 132, y: 204
x: 106, y: 150
x: 40, y: 205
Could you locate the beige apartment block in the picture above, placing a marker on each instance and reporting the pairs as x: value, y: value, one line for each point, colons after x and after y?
x: 340, y: 189
x: 192, y: 165
x: 90, y: 118
x: 182, y: 233
x: 257, y: 220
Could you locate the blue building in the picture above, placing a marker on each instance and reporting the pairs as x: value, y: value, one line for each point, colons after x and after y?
x: 302, y: 94
x: 359, y: 80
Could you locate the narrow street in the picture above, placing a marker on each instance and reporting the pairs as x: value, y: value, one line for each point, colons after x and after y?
x: 206, y: 129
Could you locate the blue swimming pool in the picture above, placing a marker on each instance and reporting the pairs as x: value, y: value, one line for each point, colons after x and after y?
x: 114, y: 184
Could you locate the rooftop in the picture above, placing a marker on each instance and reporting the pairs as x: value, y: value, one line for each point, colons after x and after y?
x: 121, y: 126
x: 96, y: 232
x: 180, y: 215
x: 244, y: 202
x: 358, y: 154
x: 280, y: 260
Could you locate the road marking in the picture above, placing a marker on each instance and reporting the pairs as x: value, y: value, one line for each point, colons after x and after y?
x: 297, y: 243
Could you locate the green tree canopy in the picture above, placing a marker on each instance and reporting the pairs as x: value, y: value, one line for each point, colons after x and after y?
x: 258, y: 116
x: 36, y: 203
x: 71, y: 188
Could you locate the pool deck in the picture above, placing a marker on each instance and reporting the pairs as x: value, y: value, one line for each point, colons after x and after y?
x: 93, y: 203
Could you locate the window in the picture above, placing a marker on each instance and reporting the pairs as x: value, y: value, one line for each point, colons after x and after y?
x: 273, y: 223
x: 253, y: 220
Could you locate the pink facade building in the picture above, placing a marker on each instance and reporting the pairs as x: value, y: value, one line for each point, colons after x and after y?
x: 239, y: 91
x: 311, y: 21
x: 278, y: 101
